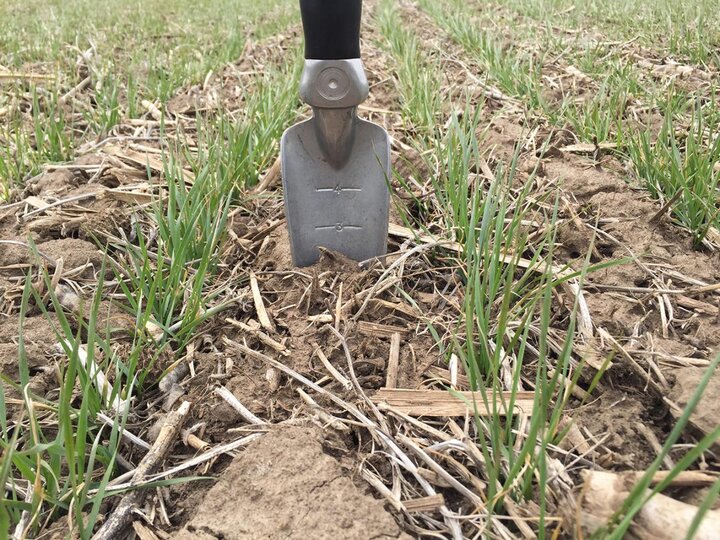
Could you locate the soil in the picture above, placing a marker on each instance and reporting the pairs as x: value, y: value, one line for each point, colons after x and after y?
x: 304, y: 478
x: 705, y: 418
x: 294, y: 297
x: 614, y: 416
x: 285, y: 486
x: 38, y: 348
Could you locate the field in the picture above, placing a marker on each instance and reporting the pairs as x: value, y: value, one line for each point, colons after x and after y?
x: 534, y: 358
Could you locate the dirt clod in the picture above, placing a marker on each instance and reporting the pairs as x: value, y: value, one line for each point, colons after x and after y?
x: 705, y: 416
x: 284, y: 486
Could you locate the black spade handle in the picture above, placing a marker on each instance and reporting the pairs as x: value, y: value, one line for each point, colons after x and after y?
x: 332, y: 28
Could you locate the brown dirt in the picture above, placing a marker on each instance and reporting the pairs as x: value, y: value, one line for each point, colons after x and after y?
x: 614, y: 417
x: 285, y: 486
x: 293, y: 297
x: 39, y: 344
x: 600, y: 193
x: 705, y: 417
x: 627, y: 212
x: 37, y: 332
x: 75, y: 253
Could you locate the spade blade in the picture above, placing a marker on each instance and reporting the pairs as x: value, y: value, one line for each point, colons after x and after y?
x: 342, y: 209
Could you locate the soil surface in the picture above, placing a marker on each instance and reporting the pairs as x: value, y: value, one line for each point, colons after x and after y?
x: 285, y: 486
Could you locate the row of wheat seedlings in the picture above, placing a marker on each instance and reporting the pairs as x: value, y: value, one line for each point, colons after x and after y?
x: 60, y: 451
x: 505, y: 336
x: 504, y: 327
x: 71, y: 71
x: 677, y: 162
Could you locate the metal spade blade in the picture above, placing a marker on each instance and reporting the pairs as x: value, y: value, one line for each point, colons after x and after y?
x: 335, y: 166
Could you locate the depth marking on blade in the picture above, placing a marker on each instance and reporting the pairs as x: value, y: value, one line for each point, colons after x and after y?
x: 338, y: 227
x: 337, y: 189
